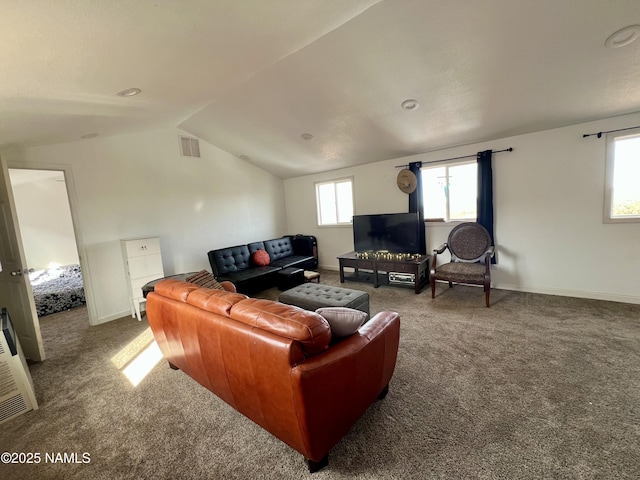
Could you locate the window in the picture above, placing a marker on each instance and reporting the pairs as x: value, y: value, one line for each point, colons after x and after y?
x: 450, y: 192
x: 622, y: 177
x: 334, y: 200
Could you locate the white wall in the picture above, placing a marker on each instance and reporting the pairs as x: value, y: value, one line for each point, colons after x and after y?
x: 45, y: 222
x: 138, y: 185
x: 548, y: 200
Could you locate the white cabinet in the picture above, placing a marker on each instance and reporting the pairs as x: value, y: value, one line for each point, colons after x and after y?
x: 142, y: 263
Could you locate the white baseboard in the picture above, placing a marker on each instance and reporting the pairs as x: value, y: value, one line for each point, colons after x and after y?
x: 611, y: 297
x: 329, y: 267
x: 114, y: 316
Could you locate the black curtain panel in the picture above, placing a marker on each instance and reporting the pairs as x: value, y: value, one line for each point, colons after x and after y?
x: 485, y: 193
x: 416, y: 204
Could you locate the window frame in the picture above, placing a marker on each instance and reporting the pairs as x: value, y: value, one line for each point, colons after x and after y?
x: 610, y: 161
x: 318, y: 203
x: 447, y: 219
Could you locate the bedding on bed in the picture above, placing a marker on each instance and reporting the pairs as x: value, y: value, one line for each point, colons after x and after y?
x: 57, y: 289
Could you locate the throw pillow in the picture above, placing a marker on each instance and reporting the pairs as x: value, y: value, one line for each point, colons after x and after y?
x: 261, y: 258
x: 343, y: 321
x: 204, y: 279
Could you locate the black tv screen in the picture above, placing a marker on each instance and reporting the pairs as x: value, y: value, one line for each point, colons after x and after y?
x: 392, y: 232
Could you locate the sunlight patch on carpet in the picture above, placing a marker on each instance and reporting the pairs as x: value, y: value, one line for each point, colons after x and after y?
x: 140, y: 367
x: 132, y: 349
x: 138, y: 357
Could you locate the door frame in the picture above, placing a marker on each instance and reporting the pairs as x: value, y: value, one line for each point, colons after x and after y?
x: 77, y: 231
x: 16, y: 287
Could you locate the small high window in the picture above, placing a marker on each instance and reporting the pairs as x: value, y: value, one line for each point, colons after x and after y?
x: 622, y: 177
x: 334, y: 200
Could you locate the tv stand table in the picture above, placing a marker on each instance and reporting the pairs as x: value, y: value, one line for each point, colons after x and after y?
x: 416, y: 265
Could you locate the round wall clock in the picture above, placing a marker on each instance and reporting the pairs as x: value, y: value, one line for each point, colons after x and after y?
x: 407, y: 181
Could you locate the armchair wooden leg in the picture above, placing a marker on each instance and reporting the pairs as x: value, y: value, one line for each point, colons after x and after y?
x: 487, y: 291
x: 433, y: 288
x: 315, y: 466
x: 450, y: 284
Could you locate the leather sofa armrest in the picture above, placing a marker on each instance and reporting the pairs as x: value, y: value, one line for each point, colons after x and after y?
x: 333, y: 389
x: 228, y: 286
x: 383, y: 324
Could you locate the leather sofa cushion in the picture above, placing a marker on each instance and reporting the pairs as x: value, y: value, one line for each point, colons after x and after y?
x: 175, y: 289
x: 279, y: 248
x: 211, y: 300
x: 290, y: 261
x: 250, y: 273
x: 306, y: 327
x: 255, y: 246
x: 216, y: 301
x: 232, y: 259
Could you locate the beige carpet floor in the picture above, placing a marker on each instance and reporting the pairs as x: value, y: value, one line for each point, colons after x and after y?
x: 536, y: 387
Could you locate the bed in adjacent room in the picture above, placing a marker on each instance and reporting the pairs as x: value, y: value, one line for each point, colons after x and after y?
x: 57, y: 289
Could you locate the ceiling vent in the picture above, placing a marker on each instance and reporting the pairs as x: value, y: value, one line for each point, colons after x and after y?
x: 189, y: 147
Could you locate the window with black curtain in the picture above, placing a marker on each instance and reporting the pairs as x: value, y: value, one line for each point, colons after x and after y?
x: 485, y: 194
x: 416, y: 205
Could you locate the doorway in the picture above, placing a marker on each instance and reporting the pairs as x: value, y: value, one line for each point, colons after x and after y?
x: 48, y: 236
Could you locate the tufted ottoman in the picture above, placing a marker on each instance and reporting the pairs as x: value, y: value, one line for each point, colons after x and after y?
x: 311, y: 296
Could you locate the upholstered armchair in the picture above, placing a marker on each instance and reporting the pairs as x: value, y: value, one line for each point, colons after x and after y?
x: 471, y: 250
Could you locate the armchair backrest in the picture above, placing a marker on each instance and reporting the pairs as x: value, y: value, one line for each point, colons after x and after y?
x: 468, y: 242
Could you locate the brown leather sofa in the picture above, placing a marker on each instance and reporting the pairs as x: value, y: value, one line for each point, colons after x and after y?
x: 274, y: 363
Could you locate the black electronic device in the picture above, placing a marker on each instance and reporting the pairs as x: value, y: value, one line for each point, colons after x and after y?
x: 8, y: 331
x: 391, y: 232
x: 401, y: 278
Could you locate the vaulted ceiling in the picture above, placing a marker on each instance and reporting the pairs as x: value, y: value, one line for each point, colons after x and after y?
x: 253, y: 76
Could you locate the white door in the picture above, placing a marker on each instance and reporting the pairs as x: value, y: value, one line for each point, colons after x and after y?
x: 15, y: 289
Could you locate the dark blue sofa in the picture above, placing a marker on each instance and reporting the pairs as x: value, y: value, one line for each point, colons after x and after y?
x: 234, y: 264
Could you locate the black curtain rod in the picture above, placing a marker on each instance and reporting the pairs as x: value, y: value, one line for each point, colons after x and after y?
x: 510, y: 149
x: 599, y: 134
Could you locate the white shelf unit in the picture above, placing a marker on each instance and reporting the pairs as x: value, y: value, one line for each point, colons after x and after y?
x: 142, y: 263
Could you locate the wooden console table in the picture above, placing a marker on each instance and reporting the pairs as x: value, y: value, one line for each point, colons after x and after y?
x: 395, y: 263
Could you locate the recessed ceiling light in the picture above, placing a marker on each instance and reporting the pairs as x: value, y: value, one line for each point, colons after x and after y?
x: 623, y: 37
x: 306, y: 136
x: 129, y: 92
x: 89, y: 135
x: 410, y: 104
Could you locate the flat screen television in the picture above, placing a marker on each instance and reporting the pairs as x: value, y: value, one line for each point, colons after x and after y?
x: 392, y: 232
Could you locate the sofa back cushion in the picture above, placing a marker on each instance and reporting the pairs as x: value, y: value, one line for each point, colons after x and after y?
x: 279, y: 248
x: 308, y: 328
x: 175, y: 289
x: 255, y: 246
x: 213, y: 300
x: 230, y: 259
